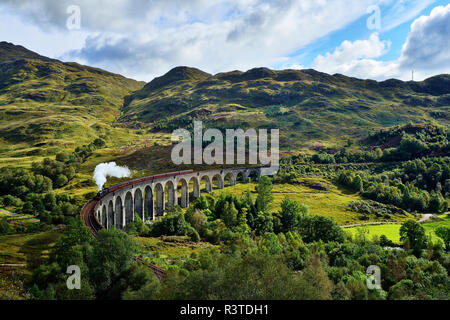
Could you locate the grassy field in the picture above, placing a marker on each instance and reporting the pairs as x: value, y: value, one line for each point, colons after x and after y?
x: 432, y: 226
x: 392, y: 231
x: 162, y: 252
x: 170, y: 249
x: 30, y: 249
x: 331, y: 202
x: 15, y: 221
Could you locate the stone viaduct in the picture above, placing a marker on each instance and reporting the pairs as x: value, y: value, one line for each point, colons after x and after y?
x: 149, y: 196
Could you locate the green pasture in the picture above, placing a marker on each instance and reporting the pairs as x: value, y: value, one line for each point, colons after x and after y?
x: 321, y: 196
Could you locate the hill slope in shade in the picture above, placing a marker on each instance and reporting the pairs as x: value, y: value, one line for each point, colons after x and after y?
x: 308, y: 106
x: 11, y: 52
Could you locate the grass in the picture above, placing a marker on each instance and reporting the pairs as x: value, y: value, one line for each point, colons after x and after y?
x: 15, y: 221
x: 306, y: 101
x: 12, y: 284
x: 392, y: 231
x: 162, y: 252
x: 432, y: 226
x: 331, y: 203
x: 171, y: 250
x: 3, y: 214
x: 30, y: 249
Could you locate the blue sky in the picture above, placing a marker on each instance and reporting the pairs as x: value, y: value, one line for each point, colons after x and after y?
x: 144, y: 39
x: 358, y: 30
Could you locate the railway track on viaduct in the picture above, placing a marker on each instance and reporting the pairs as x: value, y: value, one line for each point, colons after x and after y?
x: 89, y: 219
x: 94, y: 212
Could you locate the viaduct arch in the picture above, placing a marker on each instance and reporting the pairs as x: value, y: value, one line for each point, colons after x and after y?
x: 148, y: 197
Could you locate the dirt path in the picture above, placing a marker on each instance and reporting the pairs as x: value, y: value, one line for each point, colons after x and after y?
x: 370, y: 223
x: 18, y: 215
x: 424, y: 218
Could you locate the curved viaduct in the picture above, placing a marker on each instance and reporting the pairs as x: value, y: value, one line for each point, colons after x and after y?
x: 149, y: 196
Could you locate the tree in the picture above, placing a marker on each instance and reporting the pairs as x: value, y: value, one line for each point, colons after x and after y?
x: 444, y: 233
x: 62, y: 156
x: 61, y: 180
x: 76, y: 234
x: 403, y: 290
x: 265, y: 197
x: 290, y: 214
x: 414, y: 233
x: 138, y: 276
x: 111, y: 255
x: 137, y: 227
x: 269, y: 243
x: 86, y: 291
x: 247, y: 202
x: 385, y: 242
x: 99, y: 143
x: 314, y: 283
x: 358, y: 183
x: 201, y: 203
x: 197, y: 219
x: 5, y: 227
x: 172, y: 224
x: 28, y: 207
x: 148, y: 291
x: 437, y: 202
x: 263, y: 223
x: 229, y: 215
x: 314, y: 228
x: 49, y: 201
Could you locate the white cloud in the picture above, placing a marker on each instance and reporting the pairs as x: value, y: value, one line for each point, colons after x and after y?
x: 427, y: 46
x: 352, y: 57
x: 426, y: 51
x: 144, y: 39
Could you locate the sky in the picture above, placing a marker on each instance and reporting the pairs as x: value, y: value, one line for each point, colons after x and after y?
x: 143, y: 39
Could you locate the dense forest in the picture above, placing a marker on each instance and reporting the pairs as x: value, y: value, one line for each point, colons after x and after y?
x: 291, y: 254
x: 252, y: 250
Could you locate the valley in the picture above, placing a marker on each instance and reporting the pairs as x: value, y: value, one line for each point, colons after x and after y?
x: 353, y: 151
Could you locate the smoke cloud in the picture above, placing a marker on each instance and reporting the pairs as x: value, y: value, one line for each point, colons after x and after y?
x: 103, y: 170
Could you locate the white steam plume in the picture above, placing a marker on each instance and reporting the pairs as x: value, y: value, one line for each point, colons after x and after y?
x: 103, y: 170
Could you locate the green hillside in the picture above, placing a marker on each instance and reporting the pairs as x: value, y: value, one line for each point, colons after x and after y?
x: 298, y: 101
x: 47, y: 105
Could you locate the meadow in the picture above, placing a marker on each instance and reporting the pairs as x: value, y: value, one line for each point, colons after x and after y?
x: 29, y: 249
x: 321, y: 196
x: 392, y: 231
x: 163, y: 250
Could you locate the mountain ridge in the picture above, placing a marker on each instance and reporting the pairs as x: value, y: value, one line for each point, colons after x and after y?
x: 299, y: 101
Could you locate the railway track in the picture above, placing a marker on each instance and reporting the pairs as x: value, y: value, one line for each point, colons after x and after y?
x: 88, y: 216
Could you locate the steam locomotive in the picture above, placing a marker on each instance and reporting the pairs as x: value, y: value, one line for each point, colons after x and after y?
x: 121, y: 185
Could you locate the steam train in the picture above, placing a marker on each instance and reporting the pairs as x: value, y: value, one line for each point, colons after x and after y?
x: 121, y: 185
